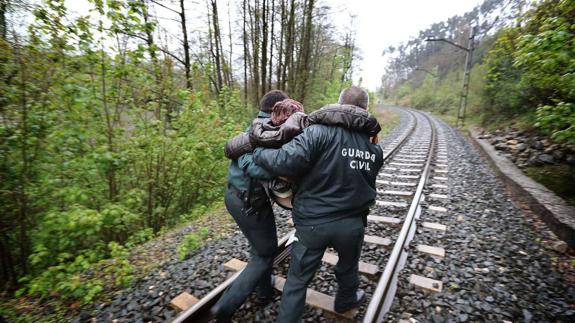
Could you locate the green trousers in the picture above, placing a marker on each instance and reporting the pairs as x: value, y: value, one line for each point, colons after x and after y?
x: 260, y: 231
x: 346, y: 237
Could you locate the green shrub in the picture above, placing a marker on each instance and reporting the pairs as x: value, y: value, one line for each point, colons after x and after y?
x: 120, y: 268
x: 558, y: 121
x: 65, y: 280
x: 191, y: 242
x: 79, y: 278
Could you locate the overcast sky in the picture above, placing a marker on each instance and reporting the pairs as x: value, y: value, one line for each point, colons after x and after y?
x: 381, y: 23
x: 378, y: 24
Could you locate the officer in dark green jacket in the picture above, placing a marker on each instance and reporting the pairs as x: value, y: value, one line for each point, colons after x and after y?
x: 250, y: 207
x: 336, y: 169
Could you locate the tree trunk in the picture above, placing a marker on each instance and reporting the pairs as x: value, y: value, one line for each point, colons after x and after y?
x: 246, y: 58
x: 264, y: 48
x: 231, y: 48
x: 8, y: 274
x: 288, y: 77
x: 280, y: 50
x: 3, y: 23
x: 270, y: 70
x: 217, y: 42
x: 255, y: 18
x: 306, y: 51
x: 23, y: 178
x: 187, y: 65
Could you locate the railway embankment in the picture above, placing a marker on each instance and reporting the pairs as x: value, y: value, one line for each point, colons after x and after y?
x: 499, y: 151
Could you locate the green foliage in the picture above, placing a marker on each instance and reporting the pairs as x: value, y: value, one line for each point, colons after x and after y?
x: 403, y: 91
x: 68, y: 279
x: 191, y: 242
x: 65, y: 280
x: 532, y: 65
x: 441, y: 94
x: 139, y: 237
x: 558, y: 120
x: 121, y: 269
x: 101, y: 149
x: 521, y: 73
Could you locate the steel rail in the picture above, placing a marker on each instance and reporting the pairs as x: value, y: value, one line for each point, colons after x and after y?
x: 385, y: 289
x: 404, y: 137
x: 200, y: 312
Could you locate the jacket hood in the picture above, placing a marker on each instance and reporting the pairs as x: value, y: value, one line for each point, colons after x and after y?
x: 346, y: 116
x: 263, y: 133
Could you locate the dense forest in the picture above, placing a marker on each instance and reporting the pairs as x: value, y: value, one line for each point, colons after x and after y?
x: 113, y: 119
x: 523, y: 68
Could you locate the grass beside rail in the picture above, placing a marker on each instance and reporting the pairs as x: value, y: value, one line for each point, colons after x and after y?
x: 387, y: 118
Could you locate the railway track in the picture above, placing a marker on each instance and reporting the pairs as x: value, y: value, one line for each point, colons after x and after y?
x: 411, y: 185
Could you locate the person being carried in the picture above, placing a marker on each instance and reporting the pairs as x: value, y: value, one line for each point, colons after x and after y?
x: 287, y: 120
x: 335, y: 168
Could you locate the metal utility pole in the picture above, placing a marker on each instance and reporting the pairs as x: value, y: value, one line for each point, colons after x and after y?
x: 468, y: 58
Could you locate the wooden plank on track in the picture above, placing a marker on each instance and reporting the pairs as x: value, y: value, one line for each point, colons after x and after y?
x: 411, y: 184
x: 434, y: 226
x: 406, y: 164
x: 391, y: 204
x: 313, y: 298
x: 383, y: 219
x: 410, y: 170
x: 386, y: 242
x: 183, y: 301
x: 436, y: 208
x: 431, y: 250
x: 234, y: 264
x: 410, y: 160
x: 398, y: 193
x: 425, y: 283
x: 408, y: 176
x: 317, y: 299
x: 364, y: 267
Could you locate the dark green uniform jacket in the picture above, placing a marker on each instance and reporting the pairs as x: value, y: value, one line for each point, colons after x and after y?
x: 243, y: 167
x: 335, y: 170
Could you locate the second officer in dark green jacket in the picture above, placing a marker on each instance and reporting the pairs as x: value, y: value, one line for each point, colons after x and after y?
x: 335, y: 170
x: 250, y: 207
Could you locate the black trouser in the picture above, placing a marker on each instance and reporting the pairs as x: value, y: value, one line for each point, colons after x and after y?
x: 260, y: 230
x: 346, y: 237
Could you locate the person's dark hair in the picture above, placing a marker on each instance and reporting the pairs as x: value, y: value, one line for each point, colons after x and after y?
x: 284, y: 109
x: 270, y: 99
x: 354, y: 95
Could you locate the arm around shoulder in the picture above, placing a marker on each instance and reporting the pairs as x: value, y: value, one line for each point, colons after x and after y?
x: 246, y: 163
x: 294, y: 158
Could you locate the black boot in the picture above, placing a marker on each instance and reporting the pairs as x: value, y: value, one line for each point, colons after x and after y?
x: 265, y: 295
x: 344, y: 307
x: 219, y: 316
